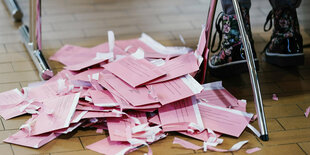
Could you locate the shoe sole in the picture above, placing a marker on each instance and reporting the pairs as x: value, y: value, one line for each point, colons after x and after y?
x: 233, y: 68
x: 285, y: 60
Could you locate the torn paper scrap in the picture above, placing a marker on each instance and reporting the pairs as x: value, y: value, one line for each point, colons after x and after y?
x: 155, y: 120
x: 179, y: 115
x: 275, y: 97
x: 227, y: 121
x: 108, y: 147
x: 203, y: 136
x: 192, y: 146
x: 156, y: 46
x: 120, y: 129
x: 12, y: 97
x: 177, y: 67
x: 186, y: 144
x: 85, y: 75
x: 307, y: 111
x: 214, y: 93
x: 65, y: 54
x: 77, y: 116
x: 241, y: 105
x: 23, y: 139
x: 103, y: 98
x: 134, y: 71
x: 55, y: 114
x: 252, y: 150
x: 11, y: 111
x: 100, y: 57
x: 135, y: 96
x: 100, y: 114
x: 176, y: 89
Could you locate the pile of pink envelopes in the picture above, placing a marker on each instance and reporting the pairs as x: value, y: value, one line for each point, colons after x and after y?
x: 138, y: 90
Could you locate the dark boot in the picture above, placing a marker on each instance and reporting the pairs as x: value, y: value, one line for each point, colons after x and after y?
x: 285, y: 46
x: 231, y: 58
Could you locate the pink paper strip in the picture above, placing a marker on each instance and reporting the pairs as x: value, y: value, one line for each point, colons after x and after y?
x: 255, y: 149
x: 186, y: 144
x: 307, y: 111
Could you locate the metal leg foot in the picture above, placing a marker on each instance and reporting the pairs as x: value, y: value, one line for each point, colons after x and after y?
x: 36, y: 55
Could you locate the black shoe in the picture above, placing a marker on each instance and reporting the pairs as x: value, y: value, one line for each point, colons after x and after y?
x: 285, y: 46
x: 230, y: 59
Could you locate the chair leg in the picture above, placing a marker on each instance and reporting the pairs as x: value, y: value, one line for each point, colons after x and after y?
x: 253, y: 74
x: 32, y: 40
x: 14, y: 10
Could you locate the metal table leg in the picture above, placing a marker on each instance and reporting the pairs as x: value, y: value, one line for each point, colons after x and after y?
x: 14, y: 9
x: 253, y: 74
x: 32, y: 40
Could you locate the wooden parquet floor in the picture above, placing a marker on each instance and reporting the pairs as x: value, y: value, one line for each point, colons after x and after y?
x: 85, y: 23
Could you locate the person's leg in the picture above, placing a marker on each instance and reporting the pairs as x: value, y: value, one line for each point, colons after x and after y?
x: 285, y: 46
x: 230, y: 59
x: 228, y: 7
x: 285, y: 3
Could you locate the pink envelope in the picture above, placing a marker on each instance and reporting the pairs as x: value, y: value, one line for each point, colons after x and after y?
x: 178, y: 115
x: 134, y: 71
x: 176, y: 89
x: 56, y: 114
x: 23, y: 139
x: 215, y: 94
x: 177, y: 67
x: 102, y: 98
x: 109, y: 147
x: 227, y: 121
x: 135, y: 96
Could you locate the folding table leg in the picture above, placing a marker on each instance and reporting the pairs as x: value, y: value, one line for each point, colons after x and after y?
x: 14, y: 9
x: 253, y: 74
x: 32, y: 40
